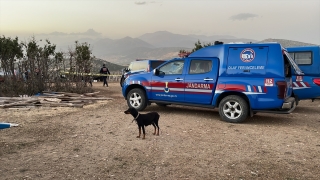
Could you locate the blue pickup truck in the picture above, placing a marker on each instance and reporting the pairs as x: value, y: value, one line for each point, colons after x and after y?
x: 239, y: 79
x: 308, y: 60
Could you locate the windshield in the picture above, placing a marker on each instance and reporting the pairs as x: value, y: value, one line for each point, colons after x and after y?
x: 293, y: 64
x: 138, y: 65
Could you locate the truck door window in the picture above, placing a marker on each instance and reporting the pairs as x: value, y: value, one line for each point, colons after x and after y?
x: 174, y: 67
x: 293, y: 64
x: 302, y: 58
x: 200, y: 66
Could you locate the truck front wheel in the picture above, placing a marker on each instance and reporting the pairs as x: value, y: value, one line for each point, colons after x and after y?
x: 136, y: 98
x: 233, y: 109
x: 121, y: 81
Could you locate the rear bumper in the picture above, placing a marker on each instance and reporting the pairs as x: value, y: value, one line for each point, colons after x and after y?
x: 287, y: 107
x: 289, y: 103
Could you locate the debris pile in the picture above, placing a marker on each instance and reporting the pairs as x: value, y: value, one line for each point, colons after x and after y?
x: 51, y: 99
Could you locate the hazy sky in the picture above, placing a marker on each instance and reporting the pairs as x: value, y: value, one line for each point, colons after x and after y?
x: 255, y: 19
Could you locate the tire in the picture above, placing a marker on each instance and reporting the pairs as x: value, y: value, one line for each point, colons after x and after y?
x: 233, y: 109
x: 136, y: 98
x: 121, y: 81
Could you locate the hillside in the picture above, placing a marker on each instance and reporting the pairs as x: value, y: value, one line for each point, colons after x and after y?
x: 124, y: 58
x: 287, y: 43
x: 97, y: 64
x: 168, y: 39
x: 156, y: 45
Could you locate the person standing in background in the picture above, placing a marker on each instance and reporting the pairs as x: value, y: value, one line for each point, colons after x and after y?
x: 104, y: 70
x: 26, y: 75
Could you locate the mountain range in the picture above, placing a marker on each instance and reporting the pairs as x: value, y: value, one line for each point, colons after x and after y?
x: 157, y: 45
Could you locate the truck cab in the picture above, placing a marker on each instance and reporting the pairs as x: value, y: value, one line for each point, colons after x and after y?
x: 308, y: 60
x: 239, y: 79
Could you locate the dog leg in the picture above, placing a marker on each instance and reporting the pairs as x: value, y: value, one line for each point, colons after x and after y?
x: 144, y: 133
x: 139, y: 132
x: 157, y: 127
x: 156, y: 122
x: 158, y: 131
x: 154, y: 128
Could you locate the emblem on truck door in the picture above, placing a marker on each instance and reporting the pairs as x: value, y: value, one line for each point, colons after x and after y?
x: 247, y: 55
x: 166, y: 89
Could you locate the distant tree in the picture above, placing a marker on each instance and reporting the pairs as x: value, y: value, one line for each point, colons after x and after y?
x: 38, y: 64
x: 83, y: 58
x: 30, y: 68
x: 10, y: 52
x: 198, y: 45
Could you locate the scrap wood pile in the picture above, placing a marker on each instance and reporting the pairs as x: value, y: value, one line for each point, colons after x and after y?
x: 47, y: 99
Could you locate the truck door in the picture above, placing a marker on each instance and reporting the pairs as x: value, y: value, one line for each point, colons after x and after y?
x: 290, y: 62
x: 200, y: 80
x: 168, y: 85
x: 308, y: 60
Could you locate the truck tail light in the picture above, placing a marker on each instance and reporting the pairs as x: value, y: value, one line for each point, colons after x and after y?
x: 282, y: 89
x: 316, y: 81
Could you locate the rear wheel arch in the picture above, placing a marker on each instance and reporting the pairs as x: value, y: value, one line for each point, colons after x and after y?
x: 223, y: 95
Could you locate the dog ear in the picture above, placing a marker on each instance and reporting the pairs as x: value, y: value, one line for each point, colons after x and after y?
x: 127, y: 111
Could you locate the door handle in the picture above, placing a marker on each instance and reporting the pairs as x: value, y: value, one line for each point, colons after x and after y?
x: 178, y: 79
x: 208, y: 79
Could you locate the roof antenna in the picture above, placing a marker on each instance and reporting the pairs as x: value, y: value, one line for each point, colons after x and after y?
x: 218, y: 42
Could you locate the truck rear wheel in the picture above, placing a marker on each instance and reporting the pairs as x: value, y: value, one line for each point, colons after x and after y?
x: 233, y: 109
x: 136, y: 98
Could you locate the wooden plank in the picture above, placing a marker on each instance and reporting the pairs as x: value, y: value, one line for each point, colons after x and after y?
x: 20, y: 109
x: 65, y: 105
x: 91, y: 94
x: 76, y: 101
x: 51, y: 95
x: 21, y: 103
x: 50, y: 92
x: 88, y: 98
x: 72, y: 94
x: 52, y: 99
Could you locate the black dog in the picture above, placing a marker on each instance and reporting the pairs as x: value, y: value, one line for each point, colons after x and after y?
x: 145, y: 120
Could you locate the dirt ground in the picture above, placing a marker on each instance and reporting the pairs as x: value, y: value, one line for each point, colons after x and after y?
x: 99, y: 142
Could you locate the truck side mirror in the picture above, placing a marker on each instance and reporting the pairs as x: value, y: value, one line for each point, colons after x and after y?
x: 156, y: 72
x: 126, y: 69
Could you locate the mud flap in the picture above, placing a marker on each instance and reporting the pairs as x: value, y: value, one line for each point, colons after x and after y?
x: 251, y: 113
x: 297, y: 99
